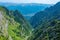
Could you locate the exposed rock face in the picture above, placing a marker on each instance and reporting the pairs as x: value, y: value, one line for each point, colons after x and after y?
x: 2, y: 24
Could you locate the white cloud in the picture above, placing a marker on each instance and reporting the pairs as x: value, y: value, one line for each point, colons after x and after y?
x: 31, y: 1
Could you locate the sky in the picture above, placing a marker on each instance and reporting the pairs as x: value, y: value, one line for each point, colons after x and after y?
x: 31, y: 1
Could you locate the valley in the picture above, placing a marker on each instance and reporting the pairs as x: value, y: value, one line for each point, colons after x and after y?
x: 29, y: 22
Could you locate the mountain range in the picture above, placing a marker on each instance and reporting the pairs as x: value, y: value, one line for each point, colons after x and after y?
x: 45, y: 15
x: 27, y: 9
x: 43, y: 25
x: 46, y: 24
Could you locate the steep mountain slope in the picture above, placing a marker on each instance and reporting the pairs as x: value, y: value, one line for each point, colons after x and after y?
x: 45, y: 15
x: 49, y: 27
x: 47, y: 31
x: 13, y: 26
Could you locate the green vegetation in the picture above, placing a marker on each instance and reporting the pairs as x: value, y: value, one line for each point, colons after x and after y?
x: 47, y: 24
x: 13, y: 26
x: 48, y: 32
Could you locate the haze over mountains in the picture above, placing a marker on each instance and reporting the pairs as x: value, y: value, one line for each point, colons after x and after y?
x: 43, y: 25
x: 44, y: 15
x: 27, y: 9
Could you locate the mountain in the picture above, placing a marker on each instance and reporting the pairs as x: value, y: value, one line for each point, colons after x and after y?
x: 47, y: 31
x: 13, y: 26
x: 27, y: 9
x: 48, y: 24
x: 45, y: 15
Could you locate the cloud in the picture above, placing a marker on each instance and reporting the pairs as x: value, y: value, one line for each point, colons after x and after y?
x: 31, y: 1
x: 32, y: 14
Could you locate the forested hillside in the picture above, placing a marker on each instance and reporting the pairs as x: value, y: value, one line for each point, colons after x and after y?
x: 47, y: 24
x: 13, y: 26
x: 44, y: 25
x: 46, y: 15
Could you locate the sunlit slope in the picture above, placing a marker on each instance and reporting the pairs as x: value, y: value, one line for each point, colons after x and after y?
x: 13, y: 26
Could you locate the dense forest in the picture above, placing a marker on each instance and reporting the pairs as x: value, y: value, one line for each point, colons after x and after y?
x: 44, y: 25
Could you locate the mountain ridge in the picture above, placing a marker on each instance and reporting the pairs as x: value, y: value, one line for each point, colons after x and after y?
x: 13, y: 25
x: 26, y: 9
x: 40, y: 16
x: 49, y: 26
